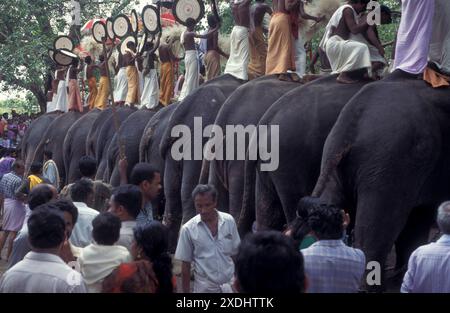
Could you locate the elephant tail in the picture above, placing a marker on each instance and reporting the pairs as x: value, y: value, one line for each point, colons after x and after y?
x: 248, y: 214
x: 145, y: 144
x: 329, y: 176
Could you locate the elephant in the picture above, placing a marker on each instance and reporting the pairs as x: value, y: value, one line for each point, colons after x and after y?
x: 305, y: 117
x: 53, y: 140
x: 94, y: 132
x: 244, y: 107
x: 149, y: 149
x: 387, y: 159
x: 105, y: 136
x: 32, y: 138
x: 181, y: 177
x: 129, y: 134
x: 75, y: 145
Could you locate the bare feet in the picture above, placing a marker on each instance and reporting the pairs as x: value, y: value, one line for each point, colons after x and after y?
x: 345, y: 79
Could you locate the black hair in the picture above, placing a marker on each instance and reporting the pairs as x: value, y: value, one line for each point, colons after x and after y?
x: 48, y: 154
x: 212, y: 21
x: 205, y: 189
x: 300, y: 226
x: 75, y: 62
x: 327, y: 221
x: 88, y: 59
x: 17, y: 164
x: 154, y: 240
x: 67, y: 206
x: 269, y: 262
x: 87, y: 166
x: 131, y: 44
x: 190, y: 22
x: 101, y: 58
x: 80, y: 190
x: 142, y: 172
x: 36, y: 168
x: 130, y: 197
x: 46, y: 228
x: 106, y: 229
x: 40, y: 194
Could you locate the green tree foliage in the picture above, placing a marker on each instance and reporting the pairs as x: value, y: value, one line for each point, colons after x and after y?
x: 28, y: 28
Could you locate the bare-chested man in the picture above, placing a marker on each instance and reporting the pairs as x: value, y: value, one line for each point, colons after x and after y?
x: 121, y: 87
x: 150, y: 92
x: 212, y: 57
x: 297, y: 10
x: 61, y: 100
x: 101, y: 102
x: 237, y: 64
x: 191, y: 78
x: 349, y: 58
x: 92, y: 81
x: 75, y: 103
x: 132, y: 74
x: 280, y: 55
x: 167, y: 72
x: 258, y: 43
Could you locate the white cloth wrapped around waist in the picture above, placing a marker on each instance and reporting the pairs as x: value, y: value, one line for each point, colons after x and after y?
x: 121, y: 88
x: 191, y: 77
x: 347, y: 55
x: 150, y: 93
x: 239, y: 59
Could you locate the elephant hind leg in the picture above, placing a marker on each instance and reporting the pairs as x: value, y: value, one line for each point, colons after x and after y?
x: 269, y: 211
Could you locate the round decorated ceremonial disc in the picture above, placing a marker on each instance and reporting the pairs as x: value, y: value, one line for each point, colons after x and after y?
x: 99, y: 32
x: 63, y: 42
x: 150, y: 19
x: 134, y: 20
x: 64, y: 57
x: 109, y: 28
x: 123, y: 44
x: 121, y: 26
x: 185, y: 9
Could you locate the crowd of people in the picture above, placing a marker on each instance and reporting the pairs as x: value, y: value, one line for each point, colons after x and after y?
x: 12, y: 129
x: 60, y: 241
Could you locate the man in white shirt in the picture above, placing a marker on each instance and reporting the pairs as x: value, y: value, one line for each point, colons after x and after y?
x: 429, y: 266
x: 126, y: 203
x: 209, y: 241
x: 43, y: 270
x: 82, y: 195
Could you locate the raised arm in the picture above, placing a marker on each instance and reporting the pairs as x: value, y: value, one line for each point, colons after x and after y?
x: 209, y: 33
x: 156, y: 45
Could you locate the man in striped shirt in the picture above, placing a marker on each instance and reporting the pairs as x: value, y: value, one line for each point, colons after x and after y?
x: 429, y: 266
x: 331, y: 266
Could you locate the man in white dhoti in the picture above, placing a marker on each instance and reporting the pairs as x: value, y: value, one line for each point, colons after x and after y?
x: 349, y: 58
x: 191, y: 78
x: 150, y: 92
x: 61, y: 100
x: 239, y: 59
x: 121, y: 82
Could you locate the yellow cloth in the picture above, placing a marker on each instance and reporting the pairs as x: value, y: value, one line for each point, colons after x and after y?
x: 280, y: 54
x: 166, y: 83
x: 435, y: 79
x: 212, y: 64
x: 133, y: 85
x: 92, y: 84
x: 258, y: 54
x: 74, y: 96
x: 101, y: 102
x: 34, y: 181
